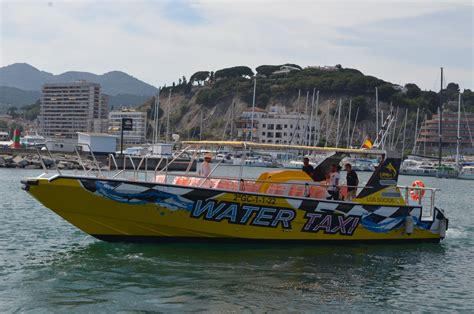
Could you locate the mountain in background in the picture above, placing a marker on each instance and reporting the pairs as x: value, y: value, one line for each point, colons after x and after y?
x: 23, y: 76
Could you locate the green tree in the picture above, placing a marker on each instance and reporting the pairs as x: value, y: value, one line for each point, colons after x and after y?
x: 413, y: 90
x: 386, y: 91
x: 237, y: 71
x: 267, y: 70
x: 453, y: 87
x: 199, y: 77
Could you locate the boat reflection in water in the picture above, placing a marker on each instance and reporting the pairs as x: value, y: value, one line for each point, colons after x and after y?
x: 278, y: 206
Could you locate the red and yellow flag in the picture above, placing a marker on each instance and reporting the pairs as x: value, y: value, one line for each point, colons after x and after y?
x: 367, y: 143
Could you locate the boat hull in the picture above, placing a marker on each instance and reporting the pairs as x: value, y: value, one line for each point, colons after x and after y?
x: 118, y: 210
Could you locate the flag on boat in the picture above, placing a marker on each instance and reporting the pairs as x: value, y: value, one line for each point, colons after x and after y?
x: 367, y: 143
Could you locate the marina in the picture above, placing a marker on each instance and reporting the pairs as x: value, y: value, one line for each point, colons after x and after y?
x: 236, y: 157
x: 46, y: 261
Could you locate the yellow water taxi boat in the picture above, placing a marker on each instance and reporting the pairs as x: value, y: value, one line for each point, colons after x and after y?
x: 278, y: 206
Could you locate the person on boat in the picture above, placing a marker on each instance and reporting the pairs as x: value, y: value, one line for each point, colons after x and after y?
x: 352, y: 182
x: 205, y: 170
x: 333, y: 186
x: 307, y: 167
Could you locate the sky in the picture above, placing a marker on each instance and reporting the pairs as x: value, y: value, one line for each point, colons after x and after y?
x: 160, y: 41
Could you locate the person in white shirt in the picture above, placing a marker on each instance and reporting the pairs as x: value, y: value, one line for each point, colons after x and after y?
x: 206, y: 166
x: 333, y: 186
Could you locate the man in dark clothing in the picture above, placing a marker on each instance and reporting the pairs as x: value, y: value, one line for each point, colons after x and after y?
x: 352, y: 182
x: 307, y: 167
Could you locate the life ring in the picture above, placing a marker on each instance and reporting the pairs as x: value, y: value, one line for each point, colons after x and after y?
x: 417, y: 194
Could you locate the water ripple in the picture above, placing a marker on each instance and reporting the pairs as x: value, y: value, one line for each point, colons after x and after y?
x: 47, y: 265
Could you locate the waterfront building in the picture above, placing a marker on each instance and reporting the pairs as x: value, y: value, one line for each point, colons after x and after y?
x: 275, y: 126
x: 68, y: 108
x: 138, y: 133
x: 98, y: 143
x: 428, y: 139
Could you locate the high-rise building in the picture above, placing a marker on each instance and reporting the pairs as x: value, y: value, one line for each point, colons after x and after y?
x: 275, y: 126
x: 428, y: 139
x: 68, y: 108
x: 138, y: 133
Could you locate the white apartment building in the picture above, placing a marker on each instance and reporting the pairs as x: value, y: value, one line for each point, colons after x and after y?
x: 275, y: 126
x: 68, y: 108
x: 137, y: 135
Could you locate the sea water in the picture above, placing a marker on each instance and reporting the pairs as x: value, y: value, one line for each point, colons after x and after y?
x: 46, y: 264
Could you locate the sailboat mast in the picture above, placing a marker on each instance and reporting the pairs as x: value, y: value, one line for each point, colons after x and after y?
x: 338, y: 122
x: 349, y: 124
x: 327, y: 124
x: 156, y: 134
x: 253, y: 108
x: 168, y: 118
x: 317, y: 123
x: 404, y: 132
x: 310, y: 122
x: 353, y: 129
x: 200, y: 127
x: 232, y: 120
x: 416, y: 131
x: 440, y: 116
x: 458, y: 139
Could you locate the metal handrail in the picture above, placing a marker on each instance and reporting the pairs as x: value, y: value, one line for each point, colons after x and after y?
x: 112, y: 157
x: 50, y: 156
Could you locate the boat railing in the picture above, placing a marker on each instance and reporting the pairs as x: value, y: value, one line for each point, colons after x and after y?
x: 137, y: 173
x: 38, y: 149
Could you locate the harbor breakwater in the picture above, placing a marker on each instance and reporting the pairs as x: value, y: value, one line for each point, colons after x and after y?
x: 28, y: 159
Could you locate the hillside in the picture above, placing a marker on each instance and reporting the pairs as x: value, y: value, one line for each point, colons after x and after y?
x: 26, y: 77
x: 11, y: 96
x: 213, y: 93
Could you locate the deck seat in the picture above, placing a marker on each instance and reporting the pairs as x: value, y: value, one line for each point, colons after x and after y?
x: 319, y: 192
x: 343, y: 192
x: 227, y: 185
x: 182, y: 181
x: 250, y: 186
x: 297, y: 190
x: 276, y: 189
x: 160, y: 178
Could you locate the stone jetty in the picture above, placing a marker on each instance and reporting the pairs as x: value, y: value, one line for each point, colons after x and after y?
x: 32, y: 161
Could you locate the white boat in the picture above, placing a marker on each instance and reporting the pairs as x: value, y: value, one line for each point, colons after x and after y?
x: 466, y: 173
x: 4, y: 136
x: 224, y: 158
x: 414, y: 167
x: 33, y: 140
x: 314, y: 160
x: 257, y: 161
x: 294, y: 164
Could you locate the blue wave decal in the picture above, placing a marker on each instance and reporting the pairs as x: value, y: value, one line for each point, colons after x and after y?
x: 388, y: 225
x: 163, y: 199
